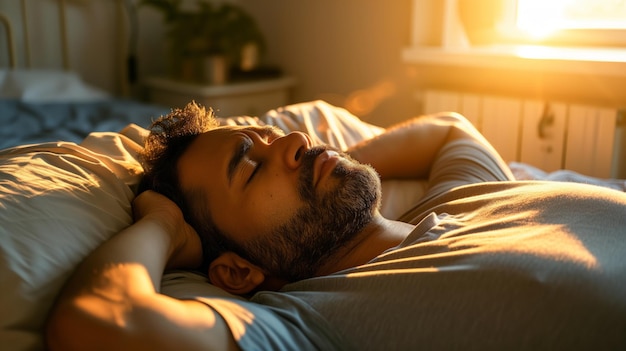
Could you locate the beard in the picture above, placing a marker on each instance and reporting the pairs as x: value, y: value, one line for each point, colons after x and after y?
x: 328, y: 221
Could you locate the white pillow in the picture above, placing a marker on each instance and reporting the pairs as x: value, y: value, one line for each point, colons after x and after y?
x: 325, y: 123
x: 58, y: 202
x: 47, y: 86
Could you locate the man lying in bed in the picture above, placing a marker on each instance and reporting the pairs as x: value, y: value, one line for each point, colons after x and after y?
x: 482, y: 262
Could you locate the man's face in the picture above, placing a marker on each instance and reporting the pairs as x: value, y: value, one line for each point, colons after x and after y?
x: 289, y: 206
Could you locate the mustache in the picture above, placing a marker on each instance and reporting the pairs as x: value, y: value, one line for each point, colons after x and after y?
x: 305, y: 184
x: 309, y: 156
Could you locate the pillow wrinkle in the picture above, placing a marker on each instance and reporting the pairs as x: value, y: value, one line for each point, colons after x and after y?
x: 59, y: 201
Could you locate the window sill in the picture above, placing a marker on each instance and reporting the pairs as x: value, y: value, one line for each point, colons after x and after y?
x: 595, y: 61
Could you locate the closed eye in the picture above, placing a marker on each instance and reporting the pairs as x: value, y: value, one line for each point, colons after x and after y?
x: 238, y: 157
x: 257, y: 166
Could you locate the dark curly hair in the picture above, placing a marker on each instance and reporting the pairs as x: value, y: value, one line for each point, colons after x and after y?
x: 170, y: 136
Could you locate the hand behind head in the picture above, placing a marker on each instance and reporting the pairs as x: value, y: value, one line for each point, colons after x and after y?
x: 185, y: 246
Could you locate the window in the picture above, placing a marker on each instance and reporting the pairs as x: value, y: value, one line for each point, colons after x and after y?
x: 565, y: 22
x: 577, y: 36
x: 572, y: 14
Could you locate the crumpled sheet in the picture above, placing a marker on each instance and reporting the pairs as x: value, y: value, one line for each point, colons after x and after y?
x: 523, y: 171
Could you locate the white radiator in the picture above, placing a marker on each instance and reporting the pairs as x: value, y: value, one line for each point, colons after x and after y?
x: 549, y: 135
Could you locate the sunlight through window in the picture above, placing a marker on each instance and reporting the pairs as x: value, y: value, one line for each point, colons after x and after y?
x: 541, y: 18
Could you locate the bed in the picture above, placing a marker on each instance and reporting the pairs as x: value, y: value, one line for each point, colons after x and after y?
x: 60, y: 200
x: 69, y: 171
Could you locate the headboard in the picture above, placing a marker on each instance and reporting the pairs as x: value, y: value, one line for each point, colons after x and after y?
x: 89, y: 37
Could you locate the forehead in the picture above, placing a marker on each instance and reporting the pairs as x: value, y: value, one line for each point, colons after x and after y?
x: 224, y: 136
x: 209, y: 153
x: 205, y: 154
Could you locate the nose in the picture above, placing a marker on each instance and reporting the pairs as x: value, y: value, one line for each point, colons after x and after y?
x: 291, y: 148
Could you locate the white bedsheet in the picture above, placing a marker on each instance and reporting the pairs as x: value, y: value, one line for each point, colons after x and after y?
x: 523, y: 171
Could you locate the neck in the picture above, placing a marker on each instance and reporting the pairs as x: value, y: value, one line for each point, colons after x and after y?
x: 379, y: 235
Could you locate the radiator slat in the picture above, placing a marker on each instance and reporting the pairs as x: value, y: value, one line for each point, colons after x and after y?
x: 543, y: 134
x: 577, y: 137
x: 501, y: 120
x: 590, y: 138
x: 471, y: 106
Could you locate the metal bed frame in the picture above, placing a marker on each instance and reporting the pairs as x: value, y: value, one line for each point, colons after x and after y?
x: 123, y: 33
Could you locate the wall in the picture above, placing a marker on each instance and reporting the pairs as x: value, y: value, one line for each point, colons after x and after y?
x: 347, y: 52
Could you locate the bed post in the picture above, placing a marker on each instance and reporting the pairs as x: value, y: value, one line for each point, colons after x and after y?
x: 11, y: 46
x: 63, y: 26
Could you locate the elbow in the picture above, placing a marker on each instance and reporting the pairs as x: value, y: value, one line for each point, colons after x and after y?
x: 459, y: 127
x: 65, y: 329
x: 71, y: 326
x: 59, y: 327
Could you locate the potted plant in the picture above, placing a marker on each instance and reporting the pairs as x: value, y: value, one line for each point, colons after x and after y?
x: 206, y: 40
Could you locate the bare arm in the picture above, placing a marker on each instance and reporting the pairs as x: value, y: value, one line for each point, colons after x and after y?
x: 408, y: 150
x: 112, y: 302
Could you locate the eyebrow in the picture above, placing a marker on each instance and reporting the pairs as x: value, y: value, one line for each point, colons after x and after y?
x: 270, y: 130
x: 240, y: 151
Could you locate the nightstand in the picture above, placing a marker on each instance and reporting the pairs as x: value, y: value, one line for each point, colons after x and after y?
x: 250, y: 98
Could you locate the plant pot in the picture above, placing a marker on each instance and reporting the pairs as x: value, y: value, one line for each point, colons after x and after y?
x: 186, y: 69
x: 249, y: 57
x: 214, y: 69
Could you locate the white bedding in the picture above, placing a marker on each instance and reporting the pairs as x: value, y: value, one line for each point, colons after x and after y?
x: 42, y: 86
x: 45, y: 105
x: 61, y: 200
x: 523, y: 171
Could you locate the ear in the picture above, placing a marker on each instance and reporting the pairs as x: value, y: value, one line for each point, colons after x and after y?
x: 235, y: 274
